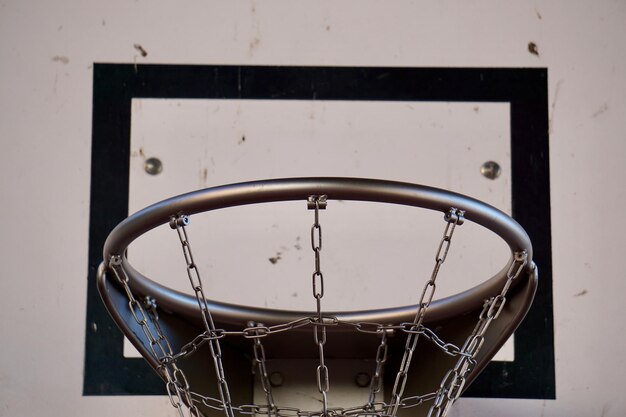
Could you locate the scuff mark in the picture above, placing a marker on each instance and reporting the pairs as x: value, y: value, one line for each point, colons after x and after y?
x: 141, y: 50
x: 553, y: 106
x: 60, y: 28
x: 538, y: 14
x: 295, y: 294
x: 104, y: 22
x: 205, y: 175
x: 255, y: 40
x: 254, y: 44
x: 62, y: 59
x: 476, y: 109
x: 327, y: 28
x: 532, y: 48
x: 601, y: 110
x: 580, y: 294
x: 140, y: 152
x: 275, y: 259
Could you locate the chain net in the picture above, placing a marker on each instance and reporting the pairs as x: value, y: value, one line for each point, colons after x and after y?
x: 186, y: 401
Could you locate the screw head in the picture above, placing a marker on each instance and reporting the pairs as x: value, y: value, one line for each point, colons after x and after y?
x: 491, y: 170
x: 276, y: 379
x: 362, y: 379
x: 153, y: 166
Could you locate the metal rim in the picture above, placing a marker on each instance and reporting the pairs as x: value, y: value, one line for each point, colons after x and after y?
x: 299, y: 189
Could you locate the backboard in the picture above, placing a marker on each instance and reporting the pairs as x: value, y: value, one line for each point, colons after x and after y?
x: 161, y: 130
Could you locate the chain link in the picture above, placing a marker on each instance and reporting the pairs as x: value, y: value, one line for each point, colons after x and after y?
x: 417, y: 400
x: 278, y: 411
x: 452, y: 218
x: 454, y: 381
x: 175, y: 376
x: 376, y: 409
x: 319, y: 332
x: 376, y: 383
x: 248, y: 333
x: 176, y: 383
x: 259, y: 358
x: 178, y: 223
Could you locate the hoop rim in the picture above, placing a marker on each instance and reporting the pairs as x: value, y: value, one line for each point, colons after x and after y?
x: 336, y: 188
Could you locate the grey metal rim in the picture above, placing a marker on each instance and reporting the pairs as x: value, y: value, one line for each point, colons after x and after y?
x: 289, y: 189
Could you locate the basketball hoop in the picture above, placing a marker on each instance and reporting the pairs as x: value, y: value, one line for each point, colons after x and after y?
x: 180, y: 334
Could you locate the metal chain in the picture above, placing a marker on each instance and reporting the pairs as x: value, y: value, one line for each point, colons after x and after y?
x: 446, y: 347
x: 319, y: 330
x: 406, y: 327
x: 376, y: 383
x: 150, y: 306
x: 453, y: 382
x: 259, y: 358
x: 179, y: 222
x: 175, y: 376
x: 136, y: 309
x: 377, y: 409
x: 146, y: 316
x: 416, y: 400
x: 176, y: 382
x: 248, y: 333
x: 453, y: 218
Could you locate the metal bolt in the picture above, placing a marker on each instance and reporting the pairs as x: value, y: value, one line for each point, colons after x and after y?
x: 363, y: 379
x: 149, y: 302
x: 276, y: 379
x: 491, y: 170
x: 153, y: 166
x: 322, y: 202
